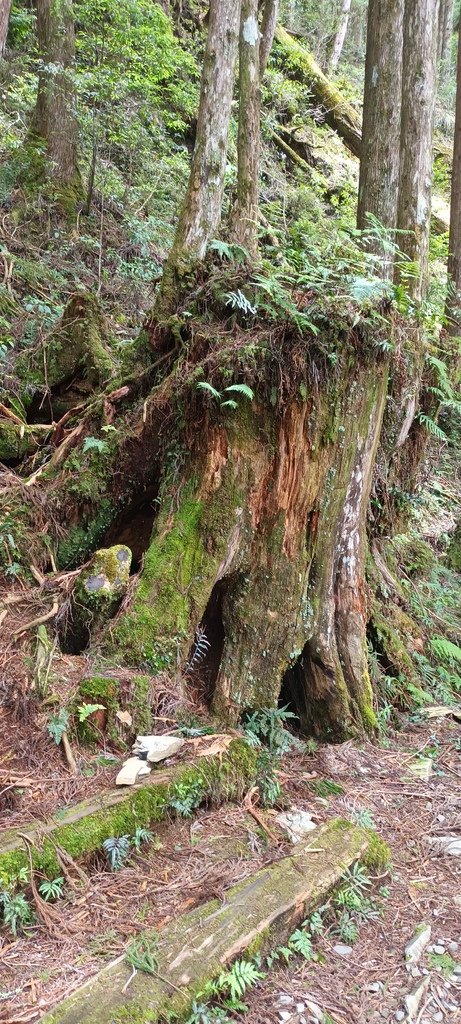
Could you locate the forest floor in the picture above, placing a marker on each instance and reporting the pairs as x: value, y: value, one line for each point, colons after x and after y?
x: 196, y: 860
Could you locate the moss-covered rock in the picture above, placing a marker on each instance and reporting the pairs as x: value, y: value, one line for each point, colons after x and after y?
x: 97, y: 594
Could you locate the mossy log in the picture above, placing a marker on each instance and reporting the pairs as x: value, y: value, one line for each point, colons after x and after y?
x: 338, y: 113
x: 82, y: 829
x: 258, y: 914
x: 454, y: 550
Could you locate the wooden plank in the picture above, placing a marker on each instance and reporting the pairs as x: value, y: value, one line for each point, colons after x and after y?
x: 258, y: 913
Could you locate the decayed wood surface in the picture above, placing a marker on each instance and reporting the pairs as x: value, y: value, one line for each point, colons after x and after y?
x: 259, y: 912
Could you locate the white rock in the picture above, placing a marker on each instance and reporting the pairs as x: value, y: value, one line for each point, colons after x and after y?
x: 415, y: 948
x: 414, y: 999
x: 284, y: 999
x: 400, y: 1015
x: 341, y: 949
x: 131, y: 772
x: 376, y: 986
x: 158, y: 747
x: 446, y: 844
x: 297, y: 823
x: 438, y: 1016
x: 453, y: 947
x: 314, y: 1010
x: 284, y: 1015
x: 439, y: 949
x: 300, y: 1007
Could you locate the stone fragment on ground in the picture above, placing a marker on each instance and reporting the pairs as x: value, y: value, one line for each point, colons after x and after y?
x: 450, y: 845
x: 157, y: 748
x: 132, y: 771
x: 414, y: 998
x: 415, y: 948
x: 296, y: 823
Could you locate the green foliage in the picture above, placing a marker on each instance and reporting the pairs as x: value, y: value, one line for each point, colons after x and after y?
x: 446, y: 650
x: 233, y: 983
x: 142, y: 835
x: 442, y: 962
x: 58, y: 725
x: 142, y: 953
x: 267, y: 726
x: 52, y: 888
x: 17, y: 912
x: 95, y: 444
x: 363, y: 817
x: 116, y: 849
x: 85, y: 710
x: 220, y: 396
x: 267, y: 779
x: 186, y: 796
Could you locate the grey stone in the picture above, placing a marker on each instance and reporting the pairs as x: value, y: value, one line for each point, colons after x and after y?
x: 438, y: 1016
x: 158, y: 747
x: 439, y: 949
x: 341, y: 949
x: 297, y: 823
x: 415, y: 948
x: 400, y: 1015
x: 453, y: 947
x: 285, y: 1000
x: 376, y: 986
x: 314, y: 1010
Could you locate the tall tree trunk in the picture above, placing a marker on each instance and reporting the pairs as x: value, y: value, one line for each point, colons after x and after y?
x: 445, y: 29
x: 5, y: 8
x: 268, y: 26
x: 379, y: 166
x: 201, y: 212
x: 244, y: 221
x: 340, y: 35
x: 453, y: 303
x: 418, y: 100
x: 54, y: 119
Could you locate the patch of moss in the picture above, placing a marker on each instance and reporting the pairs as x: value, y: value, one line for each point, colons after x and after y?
x: 140, y: 705
x: 95, y: 690
x: 81, y: 541
x: 378, y: 856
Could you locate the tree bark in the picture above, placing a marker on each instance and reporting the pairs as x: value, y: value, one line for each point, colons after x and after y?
x: 379, y: 166
x: 453, y: 302
x: 418, y: 100
x: 340, y: 36
x: 445, y: 30
x: 201, y: 212
x: 244, y: 220
x: 268, y: 26
x: 5, y: 8
x: 54, y: 119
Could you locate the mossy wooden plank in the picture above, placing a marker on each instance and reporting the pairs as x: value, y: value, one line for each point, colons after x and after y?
x: 81, y: 829
x: 257, y: 913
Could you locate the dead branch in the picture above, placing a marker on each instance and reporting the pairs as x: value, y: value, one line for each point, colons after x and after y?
x: 38, y: 621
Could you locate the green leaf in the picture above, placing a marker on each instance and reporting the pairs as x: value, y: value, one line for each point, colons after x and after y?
x: 95, y: 444
x: 230, y: 404
x: 241, y: 389
x: 203, y: 385
x: 85, y: 710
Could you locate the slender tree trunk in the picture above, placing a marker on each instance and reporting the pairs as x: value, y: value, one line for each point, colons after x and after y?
x: 5, y: 8
x: 54, y: 120
x: 201, y: 213
x: 445, y: 30
x: 418, y: 99
x: 453, y: 303
x: 268, y: 26
x: 244, y: 222
x: 379, y: 166
x: 338, y: 42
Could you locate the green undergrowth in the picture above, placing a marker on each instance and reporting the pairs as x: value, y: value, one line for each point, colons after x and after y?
x: 211, y: 780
